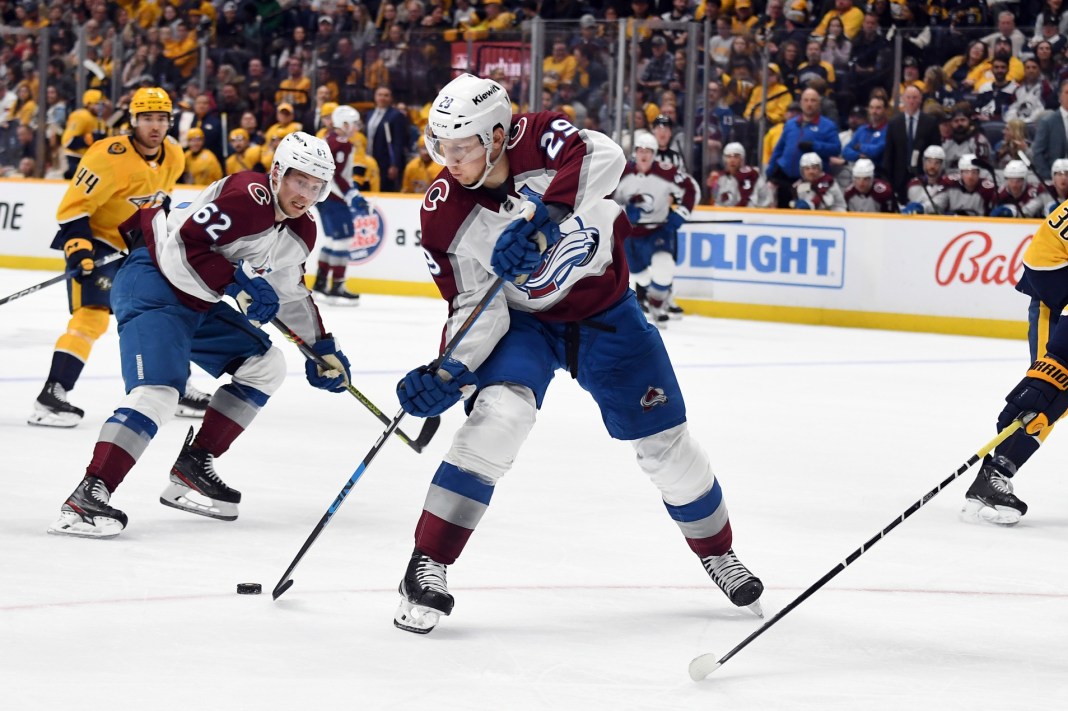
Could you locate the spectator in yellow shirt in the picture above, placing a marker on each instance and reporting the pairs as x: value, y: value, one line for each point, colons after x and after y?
x: 182, y: 49
x: 559, y: 66
x: 852, y: 18
x: 497, y: 20
x: 779, y: 98
x: 295, y: 89
x: 420, y: 171
x: 244, y: 155
x: 201, y: 166
x: 285, y: 126
x: 744, y: 20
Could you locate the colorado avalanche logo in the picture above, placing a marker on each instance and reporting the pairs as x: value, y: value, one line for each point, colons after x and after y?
x: 653, y: 396
x: 574, y: 250
x: 370, y: 235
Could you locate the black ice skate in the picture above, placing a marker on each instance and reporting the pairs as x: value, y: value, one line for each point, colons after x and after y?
x: 643, y: 298
x: 338, y: 294
x: 674, y: 310
x: 52, y: 409
x: 734, y: 579
x: 990, y: 499
x: 192, y: 403
x: 86, y: 512
x: 320, y: 284
x: 195, y: 487
x: 424, y: 595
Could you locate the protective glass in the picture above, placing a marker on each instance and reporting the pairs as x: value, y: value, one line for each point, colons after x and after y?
x: 455, y: 151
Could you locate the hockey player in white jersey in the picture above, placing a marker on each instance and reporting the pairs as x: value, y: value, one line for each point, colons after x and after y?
x: 657, y: 198
x: 927, y: 193
x: 738, y: 184
x: 817, y: 190
x: 868, y: 193
x: 575, y: 312
x: 1018, y: 198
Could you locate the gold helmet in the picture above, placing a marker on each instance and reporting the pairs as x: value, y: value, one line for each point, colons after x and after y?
x: 149, y: 100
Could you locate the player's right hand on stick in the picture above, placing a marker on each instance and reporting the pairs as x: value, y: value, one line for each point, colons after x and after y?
x: 260, y: 302
x: 427, y: 394
x: 79, y: 253
x: 1042, y: 392
x: 520, y: 248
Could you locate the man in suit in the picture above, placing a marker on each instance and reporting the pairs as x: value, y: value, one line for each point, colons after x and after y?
x: 907, y: 136
x: 1050, y: 140
x: 387, y: 138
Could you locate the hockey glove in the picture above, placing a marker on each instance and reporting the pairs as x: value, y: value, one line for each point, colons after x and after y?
x: 913, y: 208
x: 79, y: 253
x: 1041, y: 392
x: 520, y: 248
x: 1050, y: 207
x: 677, y: 217
x: 1004, y: 211
x: 802, y: 205
x: 254, y: 294
x: 358, y: 205
x: 426, y: 394
x: 337, y: 377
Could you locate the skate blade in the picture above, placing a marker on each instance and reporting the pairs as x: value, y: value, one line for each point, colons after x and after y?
x: 341, y: 301
x: 978, y: 512
x: 43, y: 417
x: 179, y: 496
x: 187, y: 411
x: 419, y: 619
x: 71, y: 524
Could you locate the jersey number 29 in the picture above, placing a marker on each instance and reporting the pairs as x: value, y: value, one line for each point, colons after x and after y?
x: 552, y: 141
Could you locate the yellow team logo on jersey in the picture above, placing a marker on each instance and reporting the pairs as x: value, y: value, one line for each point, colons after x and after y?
x: 154, y: 200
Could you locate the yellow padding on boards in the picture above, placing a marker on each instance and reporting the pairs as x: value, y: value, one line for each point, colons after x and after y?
x: 85, y: 326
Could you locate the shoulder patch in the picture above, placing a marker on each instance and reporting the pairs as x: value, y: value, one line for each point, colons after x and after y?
x: 880, y: 187
x: 516, y: 133
x: 260, y: 194
x: 116, y: 149
x: 438, y: 192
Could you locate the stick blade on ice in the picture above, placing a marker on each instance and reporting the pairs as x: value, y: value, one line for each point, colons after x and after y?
x: 703, y: 665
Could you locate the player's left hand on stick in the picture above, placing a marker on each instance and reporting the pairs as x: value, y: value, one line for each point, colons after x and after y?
x: 1042, y: 391
x: 520, y: 248
x: 427, y: 394
x: 337, y: 377
x: 79, y: 253
x: 358, y: 205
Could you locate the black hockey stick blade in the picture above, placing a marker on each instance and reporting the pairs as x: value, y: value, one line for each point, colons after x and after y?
x: 703, y: 665
x: 280, y: 589
x: 430, y: 428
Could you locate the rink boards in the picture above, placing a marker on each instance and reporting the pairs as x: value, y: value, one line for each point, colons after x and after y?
x: 914, y: 273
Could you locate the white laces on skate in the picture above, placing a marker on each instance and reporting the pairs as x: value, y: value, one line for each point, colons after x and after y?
x: 99, y: 492
x: 726, y: 571
x: 208, y: 468
x: 430, y: 575
x: 191, y: 393
x: 59, y: 392
x: 1000, y: 482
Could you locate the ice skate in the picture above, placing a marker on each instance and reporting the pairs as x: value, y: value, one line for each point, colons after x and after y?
x: 658, y: 313
x: 990, y: 499
x: 320, y: 284
x: 424, y: 595
x: 734, y: 579
x: 86, y: 513
x: 192, y: 403
x: 195, y: 487
x: 51, y: 408
x: 643, y: 299
x: 675, y: 311
x: 339, y: 295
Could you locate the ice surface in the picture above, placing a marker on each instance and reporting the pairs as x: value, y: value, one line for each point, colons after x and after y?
x: 577, y: 591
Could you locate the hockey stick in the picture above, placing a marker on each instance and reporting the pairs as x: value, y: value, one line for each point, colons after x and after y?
x: 430, y: 426
x: 286, y: 581
x: 62, y: 277
x: 702, y: 666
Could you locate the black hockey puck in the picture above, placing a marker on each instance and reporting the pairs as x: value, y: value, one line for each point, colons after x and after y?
x: 249, y: 588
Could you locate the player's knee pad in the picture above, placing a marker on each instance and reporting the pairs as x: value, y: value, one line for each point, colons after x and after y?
x: 89, y: 322
x: 676, y: 464
x: 265, y: 372
x: 488, y: 442
x: 156, y: 402
x: 662, y: 268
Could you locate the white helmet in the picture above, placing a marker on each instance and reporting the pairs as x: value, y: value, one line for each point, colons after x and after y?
x: 934, y: 152
x: 811, y: 158
x: 863, y: 168
x: 646, y: 140
x: 345, y: 117
x: 734, y: 149
x: 967, y: 162
x: 468, y: 106
x: 307, y: 154
x: 1059, y: 166
x: 1015, y: 169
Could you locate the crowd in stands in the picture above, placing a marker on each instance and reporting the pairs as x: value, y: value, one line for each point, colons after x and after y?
x: 983, y: 83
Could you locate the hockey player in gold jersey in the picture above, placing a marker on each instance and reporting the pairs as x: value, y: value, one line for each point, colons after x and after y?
x: 115, y: 177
